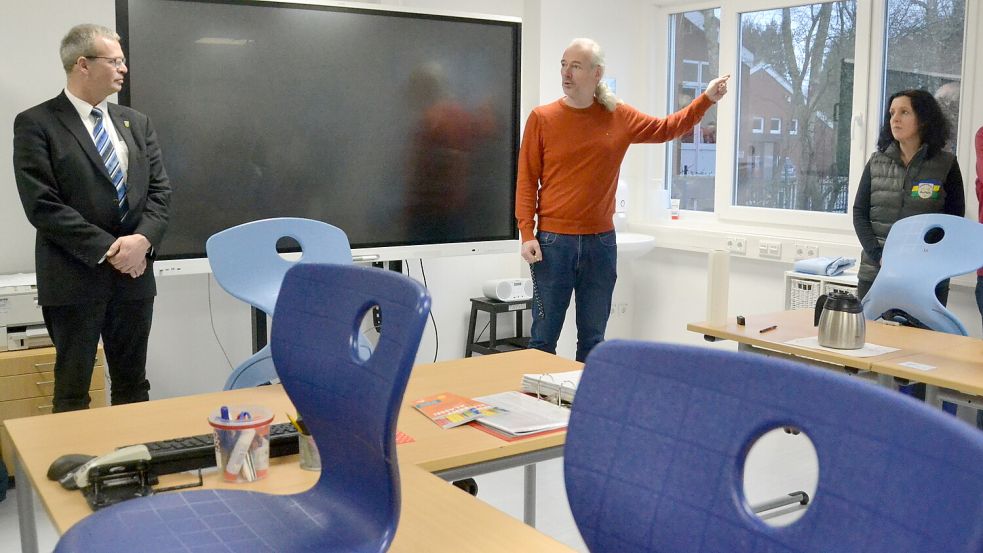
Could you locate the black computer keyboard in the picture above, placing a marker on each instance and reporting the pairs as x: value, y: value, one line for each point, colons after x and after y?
x: 197, y: 452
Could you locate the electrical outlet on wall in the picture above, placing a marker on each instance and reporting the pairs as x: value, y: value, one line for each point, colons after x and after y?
x: 737, y: 244
x: 770, y: 249
x: 805, y: 250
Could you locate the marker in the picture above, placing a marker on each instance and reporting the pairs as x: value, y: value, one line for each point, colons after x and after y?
x: 224, y: 413
x: 767, y: 329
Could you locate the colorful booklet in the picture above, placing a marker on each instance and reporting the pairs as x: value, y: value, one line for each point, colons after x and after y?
x: 448, y: 410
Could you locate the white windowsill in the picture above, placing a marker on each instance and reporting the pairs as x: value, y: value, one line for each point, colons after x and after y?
x: 699, y: 232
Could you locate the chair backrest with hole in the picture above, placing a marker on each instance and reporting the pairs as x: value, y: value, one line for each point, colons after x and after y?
x: 920, y: 252
x: 659, y: 433
x: 350, y: 404
x: 246, y: 264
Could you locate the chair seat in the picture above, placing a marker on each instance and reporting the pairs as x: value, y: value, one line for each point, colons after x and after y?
x: 225, y: 520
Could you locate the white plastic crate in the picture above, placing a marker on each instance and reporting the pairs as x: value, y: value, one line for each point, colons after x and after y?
x: 803, y: 290
x: 802, y: 293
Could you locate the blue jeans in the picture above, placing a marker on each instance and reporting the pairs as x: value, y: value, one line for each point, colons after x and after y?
x: 582, y: 264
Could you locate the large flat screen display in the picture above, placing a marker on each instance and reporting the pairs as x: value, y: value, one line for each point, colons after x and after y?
x: 400, y: 128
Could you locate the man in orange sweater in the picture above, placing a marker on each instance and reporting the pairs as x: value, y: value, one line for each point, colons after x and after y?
x: 568, y: 171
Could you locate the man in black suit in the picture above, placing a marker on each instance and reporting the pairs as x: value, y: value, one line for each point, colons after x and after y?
x: 92, y: 181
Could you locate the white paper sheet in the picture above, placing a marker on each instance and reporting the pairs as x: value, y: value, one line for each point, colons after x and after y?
x: 869, y: 350
x: 917, y: 366
x: 18, y: 279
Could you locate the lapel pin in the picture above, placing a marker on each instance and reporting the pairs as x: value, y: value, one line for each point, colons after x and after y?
x: 126, y: 123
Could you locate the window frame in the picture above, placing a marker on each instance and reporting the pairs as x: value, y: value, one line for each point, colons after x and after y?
x: 726, y: 159
x: 869, y: 59
x: 725, y: 213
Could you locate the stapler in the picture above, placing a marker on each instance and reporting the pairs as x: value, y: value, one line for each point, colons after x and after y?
x: 79, y: 478
x: 119, y: 475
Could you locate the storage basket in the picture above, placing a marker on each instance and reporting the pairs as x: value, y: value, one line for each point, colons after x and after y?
x: 803, y: 293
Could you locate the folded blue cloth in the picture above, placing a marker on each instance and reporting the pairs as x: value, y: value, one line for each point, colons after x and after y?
x: 829, y: 266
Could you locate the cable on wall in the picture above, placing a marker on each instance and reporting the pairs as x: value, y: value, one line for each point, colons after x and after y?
x: 211, y: 319
x: 436, y: 335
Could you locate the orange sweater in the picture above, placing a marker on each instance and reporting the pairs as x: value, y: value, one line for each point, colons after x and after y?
x: 570, y: 159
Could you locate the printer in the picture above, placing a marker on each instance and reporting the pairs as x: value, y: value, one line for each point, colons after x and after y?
x: 21, y: 323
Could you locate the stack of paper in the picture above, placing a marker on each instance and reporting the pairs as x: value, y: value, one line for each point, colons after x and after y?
x: 522, y: 415
x: 552, y: 385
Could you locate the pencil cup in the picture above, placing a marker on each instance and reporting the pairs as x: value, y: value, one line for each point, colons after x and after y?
x: 242, y: 441
x: 310, y: 459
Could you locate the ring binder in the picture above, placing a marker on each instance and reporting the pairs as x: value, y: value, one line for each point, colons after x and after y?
x: 539, y: 386
x: 559, y: 392
x: 558, y: 388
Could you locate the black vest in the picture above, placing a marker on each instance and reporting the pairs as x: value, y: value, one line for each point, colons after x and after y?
x: 897, y: 192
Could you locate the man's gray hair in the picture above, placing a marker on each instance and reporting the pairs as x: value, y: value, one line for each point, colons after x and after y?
x: 603, y: 94
x: 81, y: 41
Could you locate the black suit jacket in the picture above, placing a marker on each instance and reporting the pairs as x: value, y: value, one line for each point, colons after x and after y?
x: 70, y: 199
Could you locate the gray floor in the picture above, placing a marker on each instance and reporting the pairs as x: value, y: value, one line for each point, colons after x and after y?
x: 779, y: 463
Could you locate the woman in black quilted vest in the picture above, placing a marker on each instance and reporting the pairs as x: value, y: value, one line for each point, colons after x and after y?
x: 909, y: 174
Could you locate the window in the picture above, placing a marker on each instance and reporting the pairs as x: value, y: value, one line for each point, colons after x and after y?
x: 924, y: 49
x: 776, y: 125
x: 692, y: 159
x: 793, y: 65
x: 807, y: 98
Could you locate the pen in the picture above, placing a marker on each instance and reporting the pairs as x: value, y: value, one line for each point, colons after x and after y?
x: 302, y: 426
x: 293, y: 421
x: 767, y: 329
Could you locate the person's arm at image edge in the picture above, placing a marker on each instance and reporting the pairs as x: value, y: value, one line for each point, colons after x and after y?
x: 955, y: 196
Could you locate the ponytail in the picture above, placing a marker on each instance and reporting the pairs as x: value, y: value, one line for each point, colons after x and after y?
x: 605, y: 97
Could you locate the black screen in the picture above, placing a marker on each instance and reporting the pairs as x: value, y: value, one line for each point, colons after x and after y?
x: 399, y: 128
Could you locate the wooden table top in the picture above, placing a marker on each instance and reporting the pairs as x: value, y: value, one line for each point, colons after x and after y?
x: 40, y: 440
x: 958, y: 359
x: 956, y: 366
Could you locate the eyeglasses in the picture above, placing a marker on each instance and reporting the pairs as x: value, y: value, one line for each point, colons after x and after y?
x: 115, y: 62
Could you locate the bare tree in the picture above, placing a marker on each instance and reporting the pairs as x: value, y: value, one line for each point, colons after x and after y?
x: 806, y: 45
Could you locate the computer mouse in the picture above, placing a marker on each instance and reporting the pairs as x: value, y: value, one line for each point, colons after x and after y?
x: 67, y: 463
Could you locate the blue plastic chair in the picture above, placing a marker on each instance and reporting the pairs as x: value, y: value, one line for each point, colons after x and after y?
x: 919, y: 253
x: 246, y: 264
x: 350, y: 406
x: 658, y: 435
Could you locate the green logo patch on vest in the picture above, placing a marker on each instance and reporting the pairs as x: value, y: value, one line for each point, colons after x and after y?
x: 926, y: 189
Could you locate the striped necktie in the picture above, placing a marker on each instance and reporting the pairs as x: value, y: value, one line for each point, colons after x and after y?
x: 108, y: 154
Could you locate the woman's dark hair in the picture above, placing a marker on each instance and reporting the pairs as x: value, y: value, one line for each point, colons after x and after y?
x: 933, y: 126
